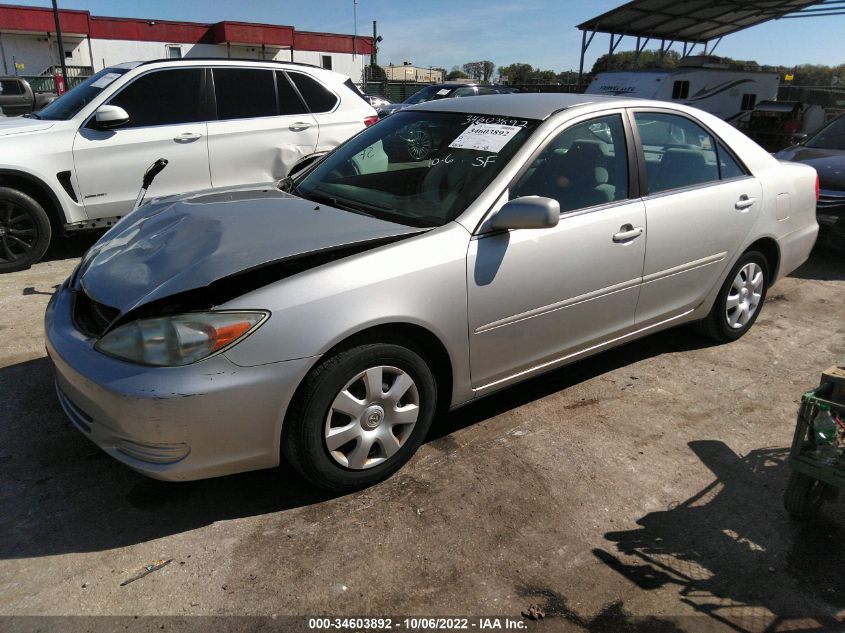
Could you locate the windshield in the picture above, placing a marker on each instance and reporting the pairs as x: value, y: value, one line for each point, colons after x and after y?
x: 416, y: 168
x: 830, y: 137
x: 427, y: 94
x: 70, y: 103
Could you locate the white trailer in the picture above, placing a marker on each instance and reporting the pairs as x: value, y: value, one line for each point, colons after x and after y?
x: 701, y: 82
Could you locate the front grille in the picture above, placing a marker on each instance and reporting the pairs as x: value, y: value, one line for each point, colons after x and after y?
x: 90, y: 317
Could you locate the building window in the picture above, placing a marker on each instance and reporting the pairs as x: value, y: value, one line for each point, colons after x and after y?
x: 326, y: 61
x: 174, y: 52
x: 680, y: 90
x: 748, y: 101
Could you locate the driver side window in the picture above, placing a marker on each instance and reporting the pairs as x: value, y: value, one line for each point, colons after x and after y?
x: 583, y: 166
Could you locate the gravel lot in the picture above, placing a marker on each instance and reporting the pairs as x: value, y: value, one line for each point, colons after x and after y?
x: 638, y: 490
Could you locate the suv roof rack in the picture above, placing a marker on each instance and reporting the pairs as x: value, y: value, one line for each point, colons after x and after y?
x: 226, y: 59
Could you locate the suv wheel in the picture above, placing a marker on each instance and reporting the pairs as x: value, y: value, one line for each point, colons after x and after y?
x: 359, y: 416
x: 24, y: 230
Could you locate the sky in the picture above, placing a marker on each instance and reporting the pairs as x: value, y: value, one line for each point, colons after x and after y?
x: 446, y: 33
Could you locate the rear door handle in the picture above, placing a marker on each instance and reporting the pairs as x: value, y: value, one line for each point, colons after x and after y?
x: 187, y: 137
x: 299, y: 126
x: 627, y: 232
x: 744, y: 202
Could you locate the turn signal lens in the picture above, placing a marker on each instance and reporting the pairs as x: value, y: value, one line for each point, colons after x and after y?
x: 817, y: 187
x: 370, y: 120
x: 180, y: 339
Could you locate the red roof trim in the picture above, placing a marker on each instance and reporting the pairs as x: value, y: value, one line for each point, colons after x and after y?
x: 332, y: 43
x: 40, y: 20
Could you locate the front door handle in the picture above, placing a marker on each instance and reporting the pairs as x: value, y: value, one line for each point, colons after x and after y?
x: 744, y: 202
x: 627, y: 232
x: 299, y: 126
x: 187, y: 137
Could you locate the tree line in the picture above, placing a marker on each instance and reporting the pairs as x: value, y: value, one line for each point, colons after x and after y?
x: 802, y: 74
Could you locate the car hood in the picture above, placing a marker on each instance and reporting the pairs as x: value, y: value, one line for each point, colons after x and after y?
x: 179, y: 244
x: 828, y: 163
x: 18, y: 125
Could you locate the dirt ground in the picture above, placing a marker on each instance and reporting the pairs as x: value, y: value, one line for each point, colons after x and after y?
x: 639, y: 490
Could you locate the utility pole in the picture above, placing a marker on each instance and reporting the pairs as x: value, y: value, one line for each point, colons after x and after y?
x: 61, y: 46
x: 376, y: 40
x: 355, y: 32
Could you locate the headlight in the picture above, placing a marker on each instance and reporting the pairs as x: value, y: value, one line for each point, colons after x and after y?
x: 181, y: 339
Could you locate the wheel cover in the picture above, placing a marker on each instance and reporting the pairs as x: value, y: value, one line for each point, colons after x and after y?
x: 419, y: 144
x: 744, y: 296
x: 372, y: 417
x: 18, y: 232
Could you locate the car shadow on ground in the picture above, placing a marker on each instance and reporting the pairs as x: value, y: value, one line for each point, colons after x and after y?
x: 732, y: 553
x: 71, y: 246
x: 824, y: 264
x: 60, y: 494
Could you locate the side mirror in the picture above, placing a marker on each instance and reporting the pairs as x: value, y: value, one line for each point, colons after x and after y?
x: 109, y: 117
x: 528, y: 212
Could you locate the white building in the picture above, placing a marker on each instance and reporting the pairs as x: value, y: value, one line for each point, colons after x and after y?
x: 28, y: 45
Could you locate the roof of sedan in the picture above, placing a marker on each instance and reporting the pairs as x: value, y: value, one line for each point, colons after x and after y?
x: 527, y: 106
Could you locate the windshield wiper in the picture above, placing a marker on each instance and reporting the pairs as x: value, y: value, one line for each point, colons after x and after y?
x: 334, y: 202
x: 32, y: 115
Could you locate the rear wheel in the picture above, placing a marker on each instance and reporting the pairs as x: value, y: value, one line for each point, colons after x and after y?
x: 359, y: 416
x: 740, y: 299
x: 24, y: 230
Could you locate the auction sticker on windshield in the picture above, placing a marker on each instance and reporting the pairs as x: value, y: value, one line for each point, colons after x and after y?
x: 485, y: 137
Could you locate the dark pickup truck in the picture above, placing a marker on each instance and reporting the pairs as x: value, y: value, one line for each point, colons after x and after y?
x: 17, y: 97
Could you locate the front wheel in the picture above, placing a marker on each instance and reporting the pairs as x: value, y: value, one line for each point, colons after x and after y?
x: 740, y: 299
x: 359, y: 416
x: 24, y: 231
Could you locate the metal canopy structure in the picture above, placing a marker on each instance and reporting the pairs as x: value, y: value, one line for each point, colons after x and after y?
x: 691, y: 22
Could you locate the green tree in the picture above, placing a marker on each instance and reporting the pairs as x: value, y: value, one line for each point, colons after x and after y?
x: 626, y: 60
x: 455, y: 73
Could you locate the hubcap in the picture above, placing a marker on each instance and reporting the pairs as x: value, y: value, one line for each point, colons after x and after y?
x: 372, y: 417
x: 744, y: 295
x: 419, y: 144
x: 18, y: 232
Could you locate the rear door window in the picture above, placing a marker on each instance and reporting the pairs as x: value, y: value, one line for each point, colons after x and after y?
x: 162, y: 97
x: 289, y: 100
x: 678, y: 152
x: 244, y: 93
x: 316, y: 95
x: 11, y: 87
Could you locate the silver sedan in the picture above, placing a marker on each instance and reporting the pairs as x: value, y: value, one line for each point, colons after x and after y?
x: 456, y: 248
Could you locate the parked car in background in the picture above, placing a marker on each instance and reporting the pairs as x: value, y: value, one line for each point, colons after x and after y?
x: 77, y: 164
x: 377, y: 102
x: 445, y: 91
x: 324, y: 324
x: 17, y: 97
x: 825, y: 152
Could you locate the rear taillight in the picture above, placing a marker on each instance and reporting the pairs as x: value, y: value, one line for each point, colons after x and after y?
x: 817, y: 187
x: 370, y: 120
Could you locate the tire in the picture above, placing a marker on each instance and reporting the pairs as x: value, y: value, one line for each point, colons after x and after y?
x: 25, y: 231
x: 803, y: 496
x: 343, y: 432
x: 718, y: 324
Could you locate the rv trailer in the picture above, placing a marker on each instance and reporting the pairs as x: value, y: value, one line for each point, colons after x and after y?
x: 703, y: 82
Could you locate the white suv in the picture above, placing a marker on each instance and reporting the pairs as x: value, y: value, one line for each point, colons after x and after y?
x: 78, y: 163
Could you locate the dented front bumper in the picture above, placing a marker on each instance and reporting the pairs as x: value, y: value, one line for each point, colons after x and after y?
x: 174, y: 423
